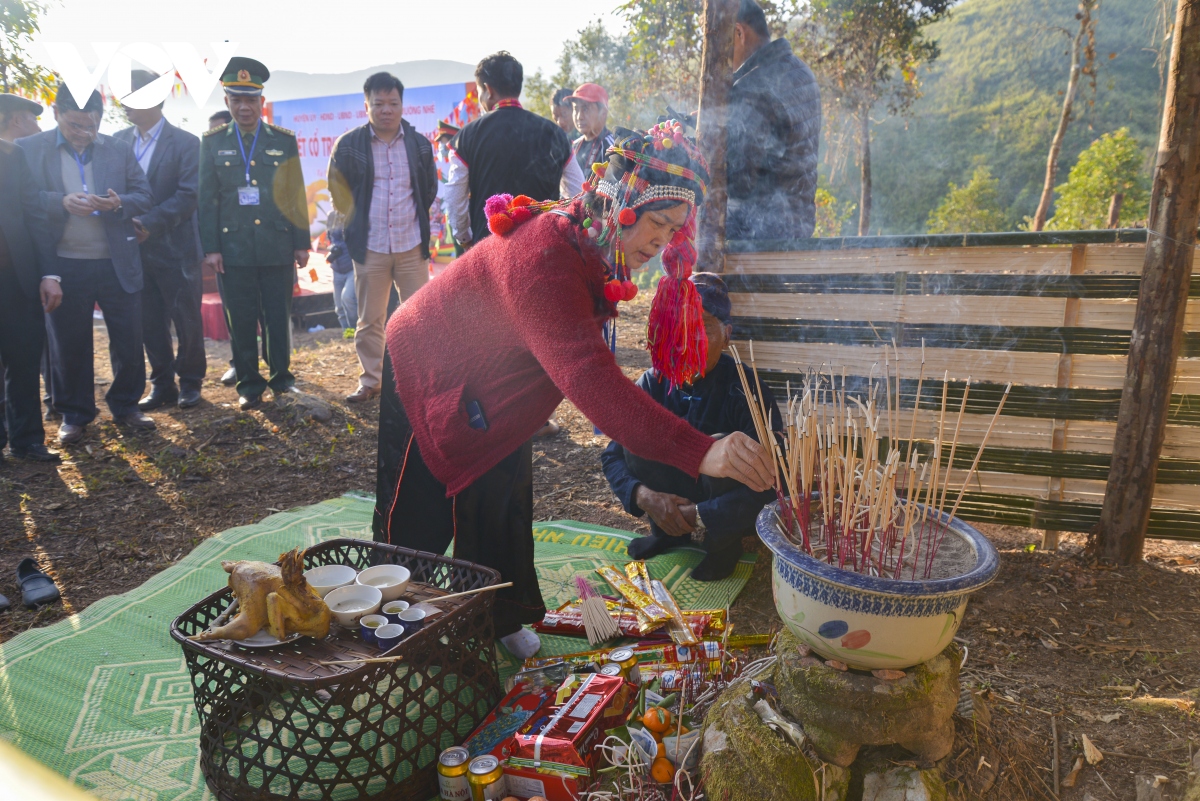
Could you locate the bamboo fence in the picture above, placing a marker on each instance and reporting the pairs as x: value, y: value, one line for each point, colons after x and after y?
x: 1049, y: 312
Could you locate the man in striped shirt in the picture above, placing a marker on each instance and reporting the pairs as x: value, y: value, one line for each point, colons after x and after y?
x: 383, y: 179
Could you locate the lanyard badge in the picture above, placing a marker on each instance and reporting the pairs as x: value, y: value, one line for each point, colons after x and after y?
x: 83, y: 177
x: 247, y: 194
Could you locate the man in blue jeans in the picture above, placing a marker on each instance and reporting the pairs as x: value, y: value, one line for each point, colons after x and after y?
x: 90, y: 188
x: 709, y: 513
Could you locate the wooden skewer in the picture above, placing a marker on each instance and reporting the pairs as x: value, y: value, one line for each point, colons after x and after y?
x: 364, y: 661
x: 437, y: 598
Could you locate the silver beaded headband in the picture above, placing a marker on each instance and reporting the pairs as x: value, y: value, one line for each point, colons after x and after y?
x: 611, y: 189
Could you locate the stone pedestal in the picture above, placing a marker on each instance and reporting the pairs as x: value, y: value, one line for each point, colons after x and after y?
x: 843, y: 710
x: 839, y: 712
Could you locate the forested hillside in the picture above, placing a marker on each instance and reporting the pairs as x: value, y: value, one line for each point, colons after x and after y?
x: 993, y: 98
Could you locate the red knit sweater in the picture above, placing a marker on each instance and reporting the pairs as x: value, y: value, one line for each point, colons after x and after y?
x: 515, y: 324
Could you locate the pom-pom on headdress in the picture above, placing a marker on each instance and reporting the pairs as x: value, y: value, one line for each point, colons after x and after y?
x: 661, y: 165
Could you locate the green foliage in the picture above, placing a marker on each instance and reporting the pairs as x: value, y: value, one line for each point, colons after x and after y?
x: 18, y: 73
x: 832, y: 214
x: 867, y: 51
x: 1113, y: 163
x: 994, y: 95
x: 973, y: 208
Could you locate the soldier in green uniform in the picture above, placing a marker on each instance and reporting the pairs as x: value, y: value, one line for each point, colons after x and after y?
x: 254, y: 229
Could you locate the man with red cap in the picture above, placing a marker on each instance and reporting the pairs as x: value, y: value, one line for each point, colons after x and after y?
x: 589, y: 107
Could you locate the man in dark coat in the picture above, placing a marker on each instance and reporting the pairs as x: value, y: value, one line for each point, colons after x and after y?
x: 90, y: 187
x: 712, y: 514
x: 27, y: 289
x: 774, y: 130
x: 170, y: 246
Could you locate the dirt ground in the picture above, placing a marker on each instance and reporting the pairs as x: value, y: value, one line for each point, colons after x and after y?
x: 1107, y: 654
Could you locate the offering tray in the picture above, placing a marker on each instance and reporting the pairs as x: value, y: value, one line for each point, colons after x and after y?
x: 301, y: 657
x: 275, y: 724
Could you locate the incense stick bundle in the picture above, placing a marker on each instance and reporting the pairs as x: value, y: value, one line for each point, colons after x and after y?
x: 596, y: 620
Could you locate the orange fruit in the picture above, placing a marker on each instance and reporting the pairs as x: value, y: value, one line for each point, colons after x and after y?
x: 657, y: 719
x: 662, y: 771
x: 683, y: 730
x: 662, y: 749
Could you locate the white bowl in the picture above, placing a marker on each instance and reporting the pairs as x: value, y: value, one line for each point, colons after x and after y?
x: 391, y: 580
x: 352, y: 603
x: 329, y: 577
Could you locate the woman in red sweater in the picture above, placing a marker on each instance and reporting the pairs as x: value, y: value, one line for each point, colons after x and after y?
x: 479, y: 359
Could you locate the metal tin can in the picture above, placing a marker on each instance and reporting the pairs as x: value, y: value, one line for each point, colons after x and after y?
x: 486, y: 778
x: 628, y: 662
x: 452, y: 774
x: 611, y: 669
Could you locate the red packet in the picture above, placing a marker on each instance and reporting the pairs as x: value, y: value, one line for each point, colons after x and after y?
x: 562, y: 736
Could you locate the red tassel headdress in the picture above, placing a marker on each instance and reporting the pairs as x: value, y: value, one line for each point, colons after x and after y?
x: 665, y: 166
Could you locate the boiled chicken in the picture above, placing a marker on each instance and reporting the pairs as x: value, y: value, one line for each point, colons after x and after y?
x: 277, y: 597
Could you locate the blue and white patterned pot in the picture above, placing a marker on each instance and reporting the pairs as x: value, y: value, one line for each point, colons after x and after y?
x: 865, y: 621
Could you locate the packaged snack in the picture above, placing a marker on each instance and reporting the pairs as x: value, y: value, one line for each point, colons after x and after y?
x: 647, y: 607
x: 514, y: 710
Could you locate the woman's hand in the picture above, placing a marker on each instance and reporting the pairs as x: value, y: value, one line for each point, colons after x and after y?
x: 739, y: 457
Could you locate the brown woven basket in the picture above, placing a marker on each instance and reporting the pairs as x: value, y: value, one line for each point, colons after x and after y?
x: 276, y: 725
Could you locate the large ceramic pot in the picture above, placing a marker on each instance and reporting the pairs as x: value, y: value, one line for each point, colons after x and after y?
x: 866, y: 621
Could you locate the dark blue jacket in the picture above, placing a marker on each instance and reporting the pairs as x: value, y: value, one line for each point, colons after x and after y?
x: 714, y: 405
x: 174, y: 177
x: 774, y: 130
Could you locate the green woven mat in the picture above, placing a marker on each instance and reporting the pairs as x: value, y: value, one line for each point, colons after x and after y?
x: 104, y: 698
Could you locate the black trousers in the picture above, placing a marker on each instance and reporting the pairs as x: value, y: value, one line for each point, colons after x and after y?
x: 251, y: 294
x: 490, y: 522
x: 22, y: 331
x: 86, y: 283
x: 173, y: 296
x: 723, y: 533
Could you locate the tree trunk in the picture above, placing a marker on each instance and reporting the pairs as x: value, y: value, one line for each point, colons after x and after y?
x: 1043, y: 209
x: 864, y: 201
x: 1114, y: 210
x: 1162, y: 300
x: 716, y: 78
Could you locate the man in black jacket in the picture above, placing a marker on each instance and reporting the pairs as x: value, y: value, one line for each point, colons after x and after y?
x: 774, y: 130
x: 27, y: 289
x: 170, y: 246
x: 383, y: 179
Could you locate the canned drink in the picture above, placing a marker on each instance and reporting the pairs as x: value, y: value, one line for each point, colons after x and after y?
x: 486, y: 778
x: 452, y: 774
x: 628, y: 661
x: 611, y: 669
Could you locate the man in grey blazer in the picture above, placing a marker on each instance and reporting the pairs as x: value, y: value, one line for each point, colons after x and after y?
x: 90, y: 188
x: 170, y: 248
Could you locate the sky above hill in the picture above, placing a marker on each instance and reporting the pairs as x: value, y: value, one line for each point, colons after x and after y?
x: 332, y: 37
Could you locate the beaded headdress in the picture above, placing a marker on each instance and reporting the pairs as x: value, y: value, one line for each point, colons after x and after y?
x: 676, y: 340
